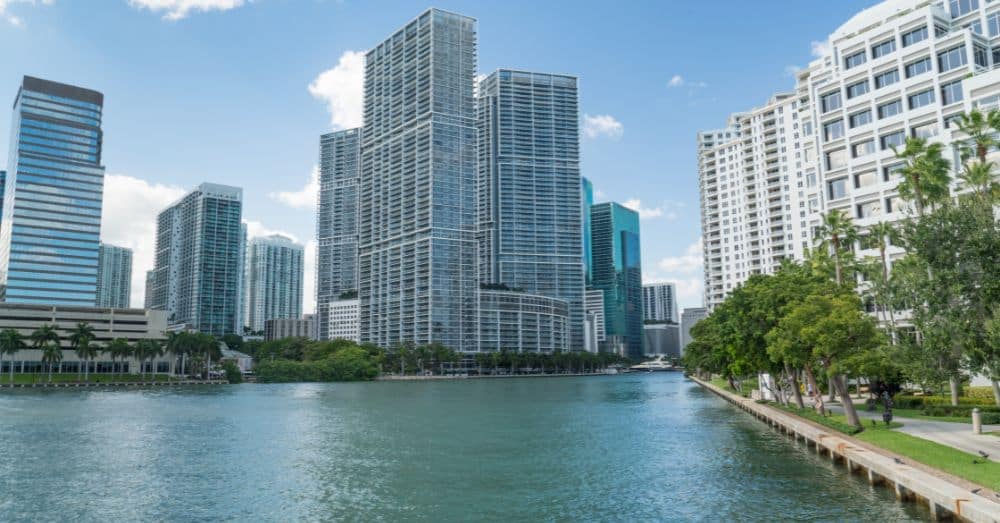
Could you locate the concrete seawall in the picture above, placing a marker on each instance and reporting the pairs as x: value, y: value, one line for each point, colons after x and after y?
x: 117, y: 384
x: 944, y: 498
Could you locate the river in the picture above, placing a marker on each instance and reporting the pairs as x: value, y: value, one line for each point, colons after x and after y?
x: 650, y: 447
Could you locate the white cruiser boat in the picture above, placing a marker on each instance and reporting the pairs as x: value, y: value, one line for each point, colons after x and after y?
x: 657, y: 365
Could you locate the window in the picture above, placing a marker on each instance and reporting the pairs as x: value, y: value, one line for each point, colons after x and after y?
x: 860, y: 118
x: 940, y: 30
x: 869, y: 209
x: 892, y: 139
x: 962, y: 7
x: 975, y: 27
x: 863, y: 148
x: 837, y: 189
x: 886, y: 78
x: 884, y: 48
x: 951, y: 59
x: 951, y: 92
x: 952, y: 119
x: 918, y: 67
x: 890, y: 109
x: 979, y: 56
x: 830, y: 101
x: 892, y: 172
x: 857, y: 89
x: 833, y: 130
x: 811, y: 180
x: 854, y: 60
x: 993, y: 24
x: 894, y: 204
x: 914, y: 36
x: 926, y: 130
x: 836, y: 159
x: 921, y: 99
x: 865, y: 179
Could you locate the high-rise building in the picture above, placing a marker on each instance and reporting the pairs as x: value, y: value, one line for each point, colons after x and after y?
x: 659, y: 302
x: 530, y: 204
x: 662, y: 339
x: 522, y: 322
x: 198, y: 265
x: 618, y: 272
x: 337, y: 222
x: 114, y: 277
x: 3, y: 185
x: 147, y: 298
x: 343, y: 319
x: 418, y: 278
x: 689, y: 317
x: 51, y: 225
x: 272, y: 281
x: 588, y: 202
x: 593, y: 320
x: 276, y: 329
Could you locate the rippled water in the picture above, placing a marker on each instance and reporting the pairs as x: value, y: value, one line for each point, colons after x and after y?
x: 623, y: 448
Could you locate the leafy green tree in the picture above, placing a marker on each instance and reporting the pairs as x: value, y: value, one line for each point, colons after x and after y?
x: 233, y: 374
x: 119, y: 349
x: 80, y: 339
x: 981, y: 178
x: 925, y: 173
x: 11, y: 342
x: 838, y: 231
x: 47, y: 339
x: 980, y: 129
x: 883, y: 235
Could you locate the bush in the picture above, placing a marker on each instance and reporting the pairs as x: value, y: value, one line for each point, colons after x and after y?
x: 991, y: 418
x: 351, y: 364
x: 918, y: 402
x: 233, y: 373
x: 980, y: 393
x: 961, y: 411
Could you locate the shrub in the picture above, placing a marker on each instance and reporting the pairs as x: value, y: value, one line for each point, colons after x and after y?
x: 991, y: 418
x: 233, y: 373
x: 351, y: 364
x: 961, y: 411
x: 918, y: 402
x: 980, y: 393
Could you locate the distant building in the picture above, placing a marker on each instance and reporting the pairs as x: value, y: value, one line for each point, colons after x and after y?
x: 588, y: 201
x: 688, y: 318
x: 617, y: 271
x: 199, y: 260
x: 272, y: 281
x: 148, y: 295
x: 51, y: 227
x: 277, y: 329
x: 593, y: 320
x: 243, y: 361
x: 522, y: 322
x: 659, y: 302
x: 3, y: 186
x: 337, y: 220
x: 343, y: 320
x: 114, y: 276
x: 662, y: 339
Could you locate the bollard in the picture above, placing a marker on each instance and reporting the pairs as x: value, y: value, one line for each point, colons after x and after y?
x: 977, y: 421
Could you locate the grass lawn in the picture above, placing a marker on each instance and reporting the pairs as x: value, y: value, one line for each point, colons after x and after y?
x: 950, y: 460
x: 94, y: 378
x: 748, y: 385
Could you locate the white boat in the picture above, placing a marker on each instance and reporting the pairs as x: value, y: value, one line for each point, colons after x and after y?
x: 657, y: 365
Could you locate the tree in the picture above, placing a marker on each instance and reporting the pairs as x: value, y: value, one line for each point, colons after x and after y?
x: 51, y: 355
x: 47, y: 339
x: 119, y: 349
x: 839, y: 232
x: 885, y: 234
x: 925, y: 173
x: 11, y: 342
x: 80, y: 339
x: 980, y: 129
x: 980, y: 178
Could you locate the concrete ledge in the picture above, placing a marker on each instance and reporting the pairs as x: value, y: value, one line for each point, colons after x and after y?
x: 110, y: 384
x: 942, y: 497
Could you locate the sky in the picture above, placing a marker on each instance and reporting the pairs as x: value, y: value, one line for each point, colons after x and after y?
x: 237, y: 92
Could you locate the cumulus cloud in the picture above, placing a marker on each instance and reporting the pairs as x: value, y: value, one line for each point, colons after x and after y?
x: 128, y: 219
x: 257, y: 229
x: 819, y: 49
x: 676, y: 81
x: 792, y: 70
x: 342, y: 89
x: 304, y: 198
x: 602, y: 125
x: 684, y: 270
x: 177, y: 9
x: 645, y: 213
x: 688, y: 263
x: 15, y: 20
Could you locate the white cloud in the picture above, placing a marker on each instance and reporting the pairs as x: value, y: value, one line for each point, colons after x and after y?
x: 685, y: 271
x: 129, y: 220
x: 688, y: 263
x: 792, y: 70
x: 304, y: 198
x: 15, y: 20
x: 342, y: 88
x: 645, y: 213
x: 178, y: 9
x: 676, y: 81
x: 602, y: 125
x: 257, y: 229
x: 819, y: 49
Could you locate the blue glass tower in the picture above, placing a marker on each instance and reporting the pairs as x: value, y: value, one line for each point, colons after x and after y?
x: 588, y: 202
x: 51, y: 224
x: 617, y: 270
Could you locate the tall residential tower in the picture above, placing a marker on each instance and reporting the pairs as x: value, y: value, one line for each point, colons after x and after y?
x: 659, y: 302
x: 114, y: 277
x: 272, y: 282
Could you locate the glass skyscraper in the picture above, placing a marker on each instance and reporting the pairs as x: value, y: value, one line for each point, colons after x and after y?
x: 530, y: 204
x: 418, y: 278
x: 618, y: 272
x: 199, y: 260
x: 114, y: 277
x: 336, y: 222
x: 273, y: 281
x: 51, y: 224
x: 588, y: 202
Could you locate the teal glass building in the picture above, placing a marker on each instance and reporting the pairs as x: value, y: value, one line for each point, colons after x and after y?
x: 51, y: 224
x: 588, y: 202
x: 617, y: 270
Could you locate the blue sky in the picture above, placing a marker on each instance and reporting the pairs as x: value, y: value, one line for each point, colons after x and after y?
x: 238, y: 92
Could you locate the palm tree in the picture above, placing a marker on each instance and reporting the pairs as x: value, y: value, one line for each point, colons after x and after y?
x: 11, y: 342
x: 147, y: 350
x: 51, y: 354
x: 885, y: 235
x: 119, y: 349
x: 979, y: 176
x: 979, y: 128
x: 838, y: 229
x: 79, y: 339
x: 47, y: 339
x: 925, y: 173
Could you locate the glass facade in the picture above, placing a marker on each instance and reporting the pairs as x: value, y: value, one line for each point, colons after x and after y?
x: 522, y: 322
x: 272, y: 282
x: 51, y: 224
x: 659, y: 302
x: 588, y: 201
x: 530, y: 204
x: 417, y: 271
x: 198, y: 270
x: 618, y: 272
x: 336, y: 222
x: 114, y: 276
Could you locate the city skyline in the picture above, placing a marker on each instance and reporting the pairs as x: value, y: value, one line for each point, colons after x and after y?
x: 140, y: 178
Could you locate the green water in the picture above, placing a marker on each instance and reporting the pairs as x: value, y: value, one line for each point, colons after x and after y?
x: 650, y: 447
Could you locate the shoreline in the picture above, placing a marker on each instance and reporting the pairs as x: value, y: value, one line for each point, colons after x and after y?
x: 115, y: 384
x: 943, y: 494
x: 467, y: 377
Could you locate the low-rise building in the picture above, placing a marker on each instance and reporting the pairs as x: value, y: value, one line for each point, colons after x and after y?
x: 593, y: 320
x: 342, y: 320
x: 689, y: 317
x: 276, y: 329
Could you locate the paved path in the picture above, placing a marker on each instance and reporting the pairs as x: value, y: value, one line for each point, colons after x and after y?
x: 956, y: 435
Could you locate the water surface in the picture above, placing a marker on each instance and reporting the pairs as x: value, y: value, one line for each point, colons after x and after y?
x: 649, y: 447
